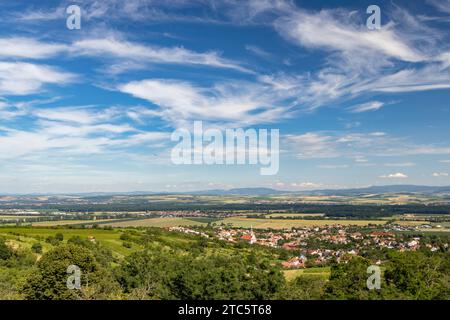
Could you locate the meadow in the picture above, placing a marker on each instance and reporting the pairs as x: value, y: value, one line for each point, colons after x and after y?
x: 322, y: 272
x: 26, y: 236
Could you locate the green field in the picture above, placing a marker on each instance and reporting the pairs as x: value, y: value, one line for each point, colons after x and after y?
x: 27, y: 236
x: 323, y: 272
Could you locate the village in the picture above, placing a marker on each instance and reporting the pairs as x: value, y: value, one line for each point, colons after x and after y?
x: 319, y: 246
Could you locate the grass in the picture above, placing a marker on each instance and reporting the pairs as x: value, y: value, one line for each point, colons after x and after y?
x: 109, y: 238
x: 323, y: 272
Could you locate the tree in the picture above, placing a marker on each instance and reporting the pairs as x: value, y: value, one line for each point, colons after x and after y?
x: 59, y: 236
x: 49, y: 282
x: 5, y: 251
x: 349, y: 281
x: 159, y: 273
x: 416, y: 275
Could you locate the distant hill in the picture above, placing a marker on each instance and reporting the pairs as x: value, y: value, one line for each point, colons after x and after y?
x: 259, y: 191
x: 240, y: 191
x: 384, y: 189
x: 337, y: 192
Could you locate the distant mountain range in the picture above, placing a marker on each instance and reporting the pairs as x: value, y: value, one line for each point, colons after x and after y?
x: 429, y: 190
x: 385, y: 189
x: 337, y: 192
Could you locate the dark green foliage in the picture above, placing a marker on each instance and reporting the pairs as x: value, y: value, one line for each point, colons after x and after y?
x: 168, y: 265
x: 102, y: 254
x: 305, y: 287
x: 49, y: 282
x: 162, y: 274
x: 36, y: 247
x: 416, y: 275
x: 5, y: 251
x: 127, y: 245
x: 348, y: 281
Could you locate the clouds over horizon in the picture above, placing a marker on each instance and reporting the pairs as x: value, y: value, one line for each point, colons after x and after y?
x: 141, y: 68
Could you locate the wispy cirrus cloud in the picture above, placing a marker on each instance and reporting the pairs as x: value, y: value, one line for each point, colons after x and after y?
x: 129, y: 55
x: 152, y: 54
x: 358, y: 61
x: 442, y: 5
x: 328, y: 145
x: 335, y: 30
x: 29, y: 48
x: 368, y: 106
x: 75, y: 131
x: 21, y: 78
x: 232, y: 102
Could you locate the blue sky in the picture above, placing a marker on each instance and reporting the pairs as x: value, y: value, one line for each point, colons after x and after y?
x: 93, y: 109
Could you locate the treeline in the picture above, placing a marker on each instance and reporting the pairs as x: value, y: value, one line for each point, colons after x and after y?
x: 334, y: 210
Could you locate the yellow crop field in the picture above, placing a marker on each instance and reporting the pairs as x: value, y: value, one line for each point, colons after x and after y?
x: 155, y: 222
x: 287, y: 215
x: 287, y: 224
x: 66, y: 222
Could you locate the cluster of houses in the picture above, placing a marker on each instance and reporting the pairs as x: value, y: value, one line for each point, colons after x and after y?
x: 309, y: 243
x: 189, y: 231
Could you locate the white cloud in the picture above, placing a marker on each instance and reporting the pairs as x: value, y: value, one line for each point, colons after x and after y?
x: 29, y: 48
x: 232, y: 102
x: 258, y: 51
x: 306, y: 185
x: 442, y: 5
x: 313, y: 145
x: 76, y: 131
x: 130, y: 55
x: 333, y: 30
x: 359, y: 61
x: 397, y: 175
x: 20, y: 78
x: 334, y: 144
x: 144, y: 54
x: 440, y: 174
x: 76, y: 115
x: 41, y: 15
x: 368, y: 106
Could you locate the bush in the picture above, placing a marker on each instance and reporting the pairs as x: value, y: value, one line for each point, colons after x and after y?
x: 5, y: 251
x: 36, y: 247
